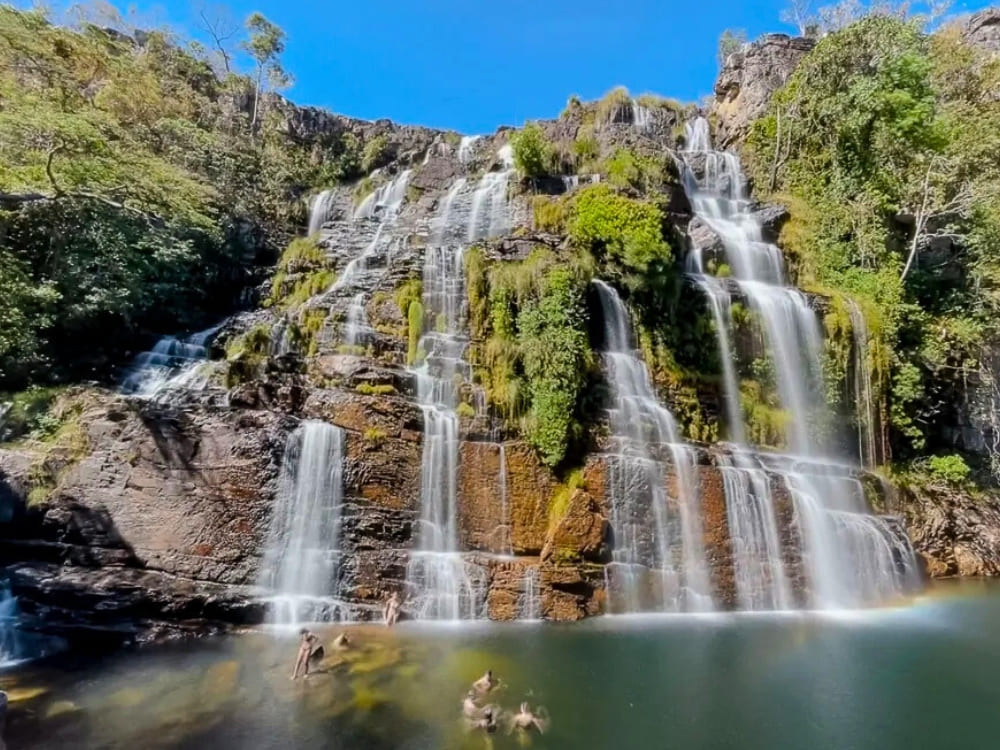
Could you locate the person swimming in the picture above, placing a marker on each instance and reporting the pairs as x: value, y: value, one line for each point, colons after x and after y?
x: 485, y: 683
x: 488, y: 722
x: 309, y: 654
x: 526, y: 720
x: 471, y: 709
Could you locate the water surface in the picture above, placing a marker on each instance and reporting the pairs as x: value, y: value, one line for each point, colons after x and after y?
x: 923, y: 676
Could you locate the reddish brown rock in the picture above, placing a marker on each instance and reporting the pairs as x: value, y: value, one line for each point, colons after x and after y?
x: 581, y: 533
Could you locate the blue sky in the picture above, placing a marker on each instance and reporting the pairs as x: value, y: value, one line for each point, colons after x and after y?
x: 472, y: 65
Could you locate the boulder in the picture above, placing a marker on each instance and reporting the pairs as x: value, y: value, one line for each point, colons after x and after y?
x: 749, y: 79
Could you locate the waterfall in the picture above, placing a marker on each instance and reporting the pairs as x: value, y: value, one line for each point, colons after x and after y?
x: 531, y: 605
x: 489, y: 206
x: 357, y: 327
x: 642, y: 118
x: 465, y: 147
x: 319, y: 210
x: 849, y: 557
x: 10, y: 647
x: 443, y: 585
x: 301, y: 560
x: 172, y: 364
x: 506, y: 531
x: 386, y: 199
x: 644, y: 574
x: 866, y: 413
x: 758, y: 566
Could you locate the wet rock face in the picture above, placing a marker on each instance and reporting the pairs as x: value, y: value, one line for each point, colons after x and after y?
x: 748, y: 80
x: 954, y: 533
x: 162, y: 520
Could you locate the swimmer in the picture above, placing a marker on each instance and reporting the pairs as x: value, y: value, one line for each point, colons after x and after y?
x: 471, y: 709
x: 525, y: 720
x: 485, y: 683
x: 308, y: 651
x: 390, y: 612
x: 488, y: 722
x: 342, y: 642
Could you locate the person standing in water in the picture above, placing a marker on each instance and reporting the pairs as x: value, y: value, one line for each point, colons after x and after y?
x: 308, y: 651
x: 390, y: 612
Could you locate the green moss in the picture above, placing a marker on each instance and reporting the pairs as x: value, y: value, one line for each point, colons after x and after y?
x: 408, y: 291
x: 559, y: 503
x: 374, y: 437
x: 367, y: 389
x: 465, y: 410
x: 246, y: 355
x: 415, y: 319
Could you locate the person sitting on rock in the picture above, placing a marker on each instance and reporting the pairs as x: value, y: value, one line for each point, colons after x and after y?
x: 390, y: 612
x: 485, y: 683
x: 525, y: 720
x: 310, y: 653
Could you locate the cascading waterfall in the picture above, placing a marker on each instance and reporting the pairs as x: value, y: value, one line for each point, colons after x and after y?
x: 301, y: 561
x: 319, y: 210
x: 172, y: 364
x: 443, y: 584
x: 645, y: 574
x: 850, y: 557
x: 465, y: 147
x: 866, y: 412
x: 386, y: 199
x: 504, y: 546
x: 642, y: 117
x: 531, y: 605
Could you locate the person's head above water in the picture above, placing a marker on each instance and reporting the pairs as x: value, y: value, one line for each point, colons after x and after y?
x: 304, y: 631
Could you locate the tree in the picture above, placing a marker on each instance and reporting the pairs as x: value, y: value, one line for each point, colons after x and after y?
x: 266, y: 44
x: 799, y: 14
x: 732, y: 40
x: 220, y: 26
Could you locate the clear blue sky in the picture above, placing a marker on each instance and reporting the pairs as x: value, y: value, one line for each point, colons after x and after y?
x: 471, y: 65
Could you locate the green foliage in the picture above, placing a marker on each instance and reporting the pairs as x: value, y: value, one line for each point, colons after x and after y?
x: 626, y: 231
x: 376, y: 153
x: 610, y: 106
x: 532, y: 151
x: 950, y: 469
x: 549, y: 214
x: 732, y: 40
x: 465, y: 410
x: 150, y: 192
x: 368, y: 389
x: 628, y: 171
x: 246, y: 355
x: 532, y: 353
x: 586, y: 149
x: 415, y: 322
x: 29, y: 413
x: 877, y: 143
x: 559, y: 503
x: 374, y: 437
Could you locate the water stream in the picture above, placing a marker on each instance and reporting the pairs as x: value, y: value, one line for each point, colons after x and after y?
x: 302, y: 558
x: 850, y: 558
x: 646, y: 573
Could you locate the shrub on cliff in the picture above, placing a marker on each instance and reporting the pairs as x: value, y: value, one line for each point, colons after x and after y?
x: 532, y: 151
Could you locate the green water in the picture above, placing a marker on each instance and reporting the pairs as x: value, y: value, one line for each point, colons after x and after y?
x: 923, y: 676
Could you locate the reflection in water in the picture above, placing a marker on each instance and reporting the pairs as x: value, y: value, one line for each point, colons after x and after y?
x: 916, y: 677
